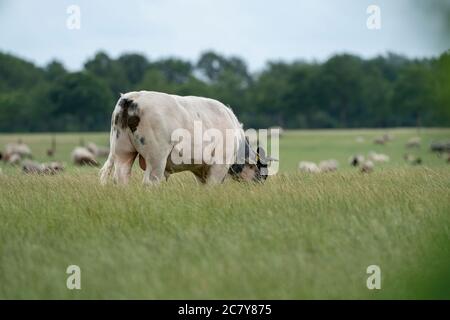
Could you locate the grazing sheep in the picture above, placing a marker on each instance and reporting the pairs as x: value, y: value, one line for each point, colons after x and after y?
x: 20, y: 149
x: 53, y: 167
x: 97, y: 150
x: 367, y: 166
x: 440, y: 147
x: 379, y: 140
x: 414, y: 142
x: 388, y: 137
x: 411, y: 159
x: 383, y: 139
x: 81, y: 156
x: 29, y: 166
x: 356, y: 160
x: 378, y: 157
x: 13, y: 159
x: 309, y: 167
x: 15, y: 152
x: 41, y: 168
x: 328, y: 165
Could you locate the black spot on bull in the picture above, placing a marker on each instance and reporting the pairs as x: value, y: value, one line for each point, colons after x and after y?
x: 133, y: 122
x: 126, y: 120
x: 142, y: 140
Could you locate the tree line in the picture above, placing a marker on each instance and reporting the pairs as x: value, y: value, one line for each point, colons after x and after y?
x: 346, y: 91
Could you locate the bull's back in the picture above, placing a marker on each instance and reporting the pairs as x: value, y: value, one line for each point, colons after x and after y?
x: 187, y: 109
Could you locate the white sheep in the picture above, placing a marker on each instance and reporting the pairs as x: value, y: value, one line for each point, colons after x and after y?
x: 378, y: 157
x: 367, y: 166
x: 20, y: 149
x: 328, y: 165
x: 414, y: 142
x: 13, y: 159
x: 309, y: 167
x: 96, y: 150
x: 412, y: 159
x: 82, y: 156
x: 379, y: 140
x: 29, y: 166
x: 53, y: 167
x: 388, y: 137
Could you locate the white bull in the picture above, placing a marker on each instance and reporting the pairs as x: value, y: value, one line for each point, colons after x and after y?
x: 143, y: 123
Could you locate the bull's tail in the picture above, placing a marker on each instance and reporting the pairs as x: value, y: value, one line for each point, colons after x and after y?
x: 107, y: 168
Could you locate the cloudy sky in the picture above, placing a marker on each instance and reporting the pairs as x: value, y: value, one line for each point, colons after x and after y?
x: 257, y: 30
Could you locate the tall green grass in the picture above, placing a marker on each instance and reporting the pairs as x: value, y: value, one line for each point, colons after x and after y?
x: 297, y: 236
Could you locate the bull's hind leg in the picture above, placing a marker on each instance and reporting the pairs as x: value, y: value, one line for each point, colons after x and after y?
x: 123, y: 164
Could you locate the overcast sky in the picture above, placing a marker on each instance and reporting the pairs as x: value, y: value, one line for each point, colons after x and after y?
x: 257, y: 30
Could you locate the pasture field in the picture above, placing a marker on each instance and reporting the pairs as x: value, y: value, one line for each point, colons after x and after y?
x: 298, y: 236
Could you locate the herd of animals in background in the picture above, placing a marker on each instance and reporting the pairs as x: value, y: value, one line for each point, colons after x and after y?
x: 367, y: 163
x: 19, y: 153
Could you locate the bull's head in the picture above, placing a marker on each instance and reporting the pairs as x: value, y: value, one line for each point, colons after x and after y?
x: 255, y: 167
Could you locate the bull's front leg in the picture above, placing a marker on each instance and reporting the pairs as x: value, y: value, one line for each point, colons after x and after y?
x: 153, y: 176
x: 155, y: 166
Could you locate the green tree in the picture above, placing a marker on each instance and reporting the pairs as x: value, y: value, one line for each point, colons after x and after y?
x: 112, y: 73
x: 17, y: 74
x: 134, y: 66
x: 344, y: 91
x: 54, y: 70
x: 413, y: 102
x: 80, y: 102
x: 175, y: 71
x: 441, y: 88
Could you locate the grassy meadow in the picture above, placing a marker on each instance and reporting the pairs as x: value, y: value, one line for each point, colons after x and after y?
x: 298, y: 236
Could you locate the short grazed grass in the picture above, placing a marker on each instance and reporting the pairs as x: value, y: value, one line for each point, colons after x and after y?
x: 297, y: 236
